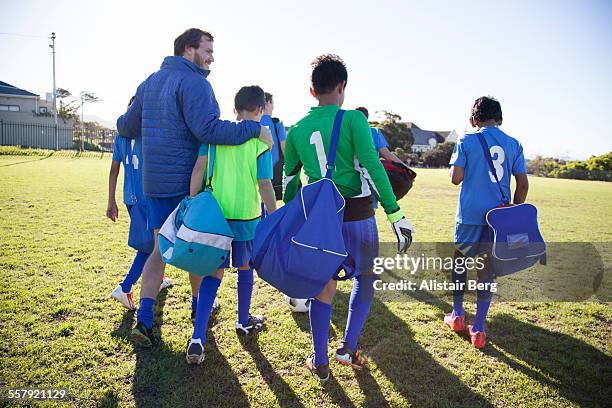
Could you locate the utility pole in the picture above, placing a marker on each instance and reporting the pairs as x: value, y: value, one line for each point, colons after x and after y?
x: 52, y: 46
x: 82, y: 123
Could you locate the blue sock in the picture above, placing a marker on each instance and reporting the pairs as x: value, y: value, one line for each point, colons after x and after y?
x: 458, y: 276
x: 206, y: 299
x: 359, y: 306
x: 245, y: 290
x: 320, y: 320
x: 135, y: 271
x: 145, y: 312
x: 483, y: 301
x: 194, y: 303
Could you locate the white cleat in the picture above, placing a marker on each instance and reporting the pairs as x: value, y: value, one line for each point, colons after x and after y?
x: 124, y: 298
x: 195, y: 352
x: 166, y: 283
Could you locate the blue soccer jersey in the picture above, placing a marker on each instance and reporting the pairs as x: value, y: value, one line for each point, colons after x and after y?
x: 479, y: 191
x: 278, y: 135
x: 129, y: 152
x: 379, y: 139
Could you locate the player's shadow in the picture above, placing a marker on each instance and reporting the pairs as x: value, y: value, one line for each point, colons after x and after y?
x: 389, y: 342
x: 578, y: 371
x: 162, y: 377
x: 284, y: 394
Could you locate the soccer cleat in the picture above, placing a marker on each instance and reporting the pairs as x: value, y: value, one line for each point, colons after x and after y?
x: 141, y: 336
x: 344, y: 355
x: 165, y: 283
x: 478, y: 338
x: 124, y: 298
x: 457, y: 323
x: 195, y: 352
x: 321, y: 372
x: 254, y: 325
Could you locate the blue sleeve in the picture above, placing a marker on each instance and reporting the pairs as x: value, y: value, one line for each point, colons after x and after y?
x: 116, y: 153
x: 458, y: 158
x: 382, y: 142
x: 203, y: 150
x: 130, y: 123
x: 519, y: 167
x: 201, y: 113
x: 264, y: 166
x: 282, y: 134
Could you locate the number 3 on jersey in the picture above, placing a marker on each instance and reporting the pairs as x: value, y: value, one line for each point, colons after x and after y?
x: 498, y: 156
x: 317, y: 140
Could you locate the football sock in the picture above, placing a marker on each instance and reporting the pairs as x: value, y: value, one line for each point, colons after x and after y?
x: 359, y: 306
x: 206, y: 299
x: 458, y: 278
x: 145, y: 312
x: 320, y: 320
x: 245, y: 290
x: 194, y: 303
x: 135, y: 271
x: 483, y: 301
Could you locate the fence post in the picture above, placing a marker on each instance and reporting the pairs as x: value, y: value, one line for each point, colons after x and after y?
x: 2, y: 132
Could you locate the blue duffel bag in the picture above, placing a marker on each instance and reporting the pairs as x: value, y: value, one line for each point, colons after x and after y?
x: 299, y: 248
x: 196, y: 236
x: 517, y: 241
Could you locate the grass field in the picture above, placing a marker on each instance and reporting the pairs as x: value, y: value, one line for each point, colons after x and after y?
x: 60, y: 258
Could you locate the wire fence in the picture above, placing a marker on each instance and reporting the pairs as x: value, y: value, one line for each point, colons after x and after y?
x: 43, y: 136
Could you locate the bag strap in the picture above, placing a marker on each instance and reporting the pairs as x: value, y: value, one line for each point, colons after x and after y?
x: 211, y: 165
x: 333, y: 144
x: 487, y: 153
x: 275, y: 133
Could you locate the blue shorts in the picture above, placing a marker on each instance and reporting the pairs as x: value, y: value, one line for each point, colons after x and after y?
x: 159, y: 208
x: 241, y: 254
x: 139, y: 237
x: 361, y: 242
x: 472, y: 240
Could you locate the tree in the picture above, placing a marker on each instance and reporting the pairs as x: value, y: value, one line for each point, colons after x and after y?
x: 67, y: 110
x: 397, y: 133
x: 86, y: 97
x: 439, y: 156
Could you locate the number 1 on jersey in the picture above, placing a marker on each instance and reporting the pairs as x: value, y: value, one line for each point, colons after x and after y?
x: 317, y: 140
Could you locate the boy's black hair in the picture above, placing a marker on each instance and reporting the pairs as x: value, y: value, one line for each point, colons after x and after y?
x: 364, y: 111
x: 190, y: 38
x: 328, y: 71
x: 268, y: 97
x: 249, y: 98
x: 486, y: 108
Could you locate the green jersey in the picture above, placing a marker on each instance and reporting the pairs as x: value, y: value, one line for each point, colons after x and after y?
x: 357, y: 162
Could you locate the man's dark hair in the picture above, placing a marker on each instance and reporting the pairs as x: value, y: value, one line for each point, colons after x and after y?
x: 268, y: 96
x: 249, y: 98
x: 328, y: 71
x: 364, y: 111
x: 486, y: 108
x: 190, y: 38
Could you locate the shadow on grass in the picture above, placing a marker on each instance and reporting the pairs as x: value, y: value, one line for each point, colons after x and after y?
x: 29, y: 161
x: 163, y: 378
x: 389, y: 342
x: 580, y: 372
x: 284, y: 394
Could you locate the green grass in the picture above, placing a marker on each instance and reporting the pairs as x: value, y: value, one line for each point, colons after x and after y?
x: 60, y: 258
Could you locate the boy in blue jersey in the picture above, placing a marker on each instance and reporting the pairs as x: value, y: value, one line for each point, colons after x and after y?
x: 237, y: 174
x: 129, y: 152
x: 380, y: 143
x: 479, y: 194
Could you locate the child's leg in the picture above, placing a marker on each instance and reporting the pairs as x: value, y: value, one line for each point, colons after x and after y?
x: 195, y: 282
x: 206, y: 298
x: 459, y: 278
x: 320, y: 320
x: 135, y: 271
x: 245, y: 291
x: 359, y: 306
x: 483, y: 296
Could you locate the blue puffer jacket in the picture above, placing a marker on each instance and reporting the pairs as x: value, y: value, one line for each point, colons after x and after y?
x: 175, y: 110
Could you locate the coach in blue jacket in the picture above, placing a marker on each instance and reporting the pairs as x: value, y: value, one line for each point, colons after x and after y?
x: 174, y: 111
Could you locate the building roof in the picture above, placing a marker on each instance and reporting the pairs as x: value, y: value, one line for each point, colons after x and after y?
x: 8, y: 89
x: 422, y: 137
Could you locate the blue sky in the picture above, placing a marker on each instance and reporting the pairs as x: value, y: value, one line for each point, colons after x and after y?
x: 548, y: 62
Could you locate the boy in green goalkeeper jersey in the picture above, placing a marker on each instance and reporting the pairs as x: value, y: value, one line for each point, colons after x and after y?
x: 239, y: 171
x: 357, y: 164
